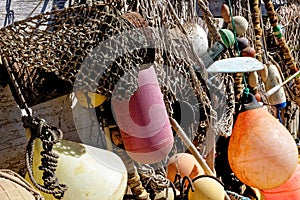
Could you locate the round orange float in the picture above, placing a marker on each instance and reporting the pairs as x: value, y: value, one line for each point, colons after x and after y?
x: 183, y: 164
x: 261, y: 152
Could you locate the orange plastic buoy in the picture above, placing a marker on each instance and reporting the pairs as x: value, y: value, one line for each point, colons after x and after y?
x: 184, y: 164
x: 225, y: 13
x: 287, y: 191
x: 261, y: 151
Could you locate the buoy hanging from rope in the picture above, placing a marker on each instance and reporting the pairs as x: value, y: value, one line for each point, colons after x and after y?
x: 89, y: 172
x: 143, y: 121
x: 261, y: 151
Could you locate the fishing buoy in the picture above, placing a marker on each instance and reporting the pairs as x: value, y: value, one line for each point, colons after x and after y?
x: 248, y: 52
x: 261, y: 151
x: 278, y: 99
x: 240, y: 24
x: 206, y: 187
x: 225, y: 13
x: 15, y: 187
x: 89, y: 99
x: 143, y: 121
x: 287, y: 191
x: 183, y: 164
x: 242, y: 43
x: 227, y: 37
x: 197, y: 36
x: 253, y: 79
x: 264, y: 73
x: 89, y: 172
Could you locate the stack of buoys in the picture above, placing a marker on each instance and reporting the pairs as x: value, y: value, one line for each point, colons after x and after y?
x: 15, y: 187
x: 88, y: 172
x: 261, y: 152
x: 143, y: 121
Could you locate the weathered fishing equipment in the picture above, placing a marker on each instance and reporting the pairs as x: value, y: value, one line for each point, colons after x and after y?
x: 273, y: 158
x: 69, y: 36
x: 13, y: 186
x: 73, y: 163
x: 144, y: 122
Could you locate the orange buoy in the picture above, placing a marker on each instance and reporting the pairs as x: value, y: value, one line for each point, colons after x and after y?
x: 287, y: 191
x: 225, y: 13
x: 183, y: 164
x: 261, y: 152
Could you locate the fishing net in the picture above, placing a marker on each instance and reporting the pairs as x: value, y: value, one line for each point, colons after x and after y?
x: 100, y: 47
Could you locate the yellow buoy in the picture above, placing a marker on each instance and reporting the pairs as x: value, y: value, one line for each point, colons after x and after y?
x: 89, y: 99
x: 89, y: 172
x: 206, y: 187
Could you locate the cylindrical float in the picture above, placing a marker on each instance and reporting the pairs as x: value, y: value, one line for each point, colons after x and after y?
x: 143, y: 121
x: 88, y: 172
x: 261, y: 152
x: 287, y: 191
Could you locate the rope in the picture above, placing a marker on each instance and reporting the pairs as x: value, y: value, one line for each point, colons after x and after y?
x: 10, y: 15
x: 49, y: 135
x: 16, y: 87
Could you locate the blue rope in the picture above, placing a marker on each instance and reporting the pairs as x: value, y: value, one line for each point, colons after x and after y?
x: 44, y: 6
x: 10, y: 15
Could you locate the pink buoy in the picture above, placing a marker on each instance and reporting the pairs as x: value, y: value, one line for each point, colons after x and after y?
x: 287, y: 191
x: 143, y: 121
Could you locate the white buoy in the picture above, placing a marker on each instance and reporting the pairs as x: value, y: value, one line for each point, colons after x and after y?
x: 89, y: 172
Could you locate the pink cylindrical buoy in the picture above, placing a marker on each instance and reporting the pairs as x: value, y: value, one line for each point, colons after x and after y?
x: 287, y: 191
x: 143, y: 121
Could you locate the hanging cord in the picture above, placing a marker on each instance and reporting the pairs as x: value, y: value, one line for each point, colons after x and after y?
x: 49, y: 136
x: 246, y: 89
x: 10, y: 15
x: 287, y: 56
